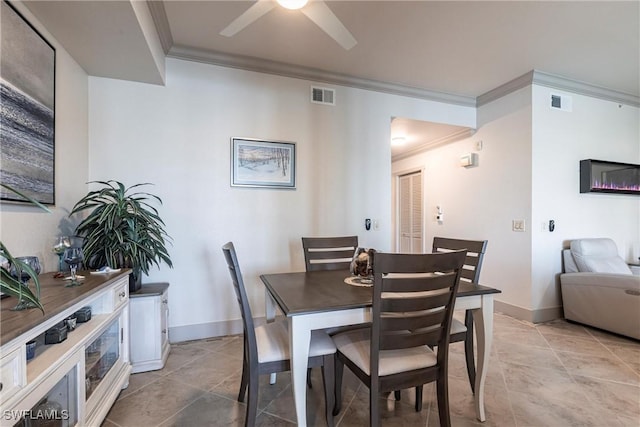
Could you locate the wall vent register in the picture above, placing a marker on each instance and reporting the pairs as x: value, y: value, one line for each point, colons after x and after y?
x: 323, y: 95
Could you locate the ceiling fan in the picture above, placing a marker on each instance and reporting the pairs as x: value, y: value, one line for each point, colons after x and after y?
x: 316, y: 10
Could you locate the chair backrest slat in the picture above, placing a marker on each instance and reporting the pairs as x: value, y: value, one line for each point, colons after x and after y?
x: 425, y: 319
x: 415, y: 339
x: 417, y: 312
x: 241, y: 295
x: 475, y: 254
x: 401, y: 305
x: 328, y: 253
x: 417, y: 284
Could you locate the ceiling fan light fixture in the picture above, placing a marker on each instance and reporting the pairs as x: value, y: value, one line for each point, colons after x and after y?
x: 398, y: 140
x: 292, y: 4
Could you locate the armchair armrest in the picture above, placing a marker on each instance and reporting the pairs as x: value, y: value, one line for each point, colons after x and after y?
x: 619, y: 281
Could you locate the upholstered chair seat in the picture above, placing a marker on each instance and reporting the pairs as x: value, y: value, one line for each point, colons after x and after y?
x: 272, y: 340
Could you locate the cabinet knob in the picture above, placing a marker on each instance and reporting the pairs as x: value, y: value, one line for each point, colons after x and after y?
x: 165, y: 301
x: 164, y: 331
x: 122, y: 294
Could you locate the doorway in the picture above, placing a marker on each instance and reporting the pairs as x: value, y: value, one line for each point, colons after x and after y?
x: 410, y: 217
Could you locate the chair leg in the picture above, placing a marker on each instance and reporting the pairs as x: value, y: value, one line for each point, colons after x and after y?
x: 328, y: 380
x: 397, y: 395
x: 374, y: 407
x: 442, y: 388
x: 309, y: 378
x: 419, y: 398
x: 338, y: 371
x: 468, y: 350
x: 243, y: 381
x: 252, y: 401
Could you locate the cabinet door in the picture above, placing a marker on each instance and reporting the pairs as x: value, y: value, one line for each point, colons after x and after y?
x: 101, y: 355
x: 53, y: 402
x: 145, y: 330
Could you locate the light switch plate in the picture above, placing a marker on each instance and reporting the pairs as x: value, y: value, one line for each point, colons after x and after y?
x: 518, y: 225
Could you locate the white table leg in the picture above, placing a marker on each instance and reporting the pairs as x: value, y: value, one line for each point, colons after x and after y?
x: 483, y: 322
x: 269, y: 307
x: 270, y: 314
x: 299, y: 339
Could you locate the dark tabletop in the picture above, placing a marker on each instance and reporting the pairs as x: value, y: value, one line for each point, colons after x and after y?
x: 318, y: 291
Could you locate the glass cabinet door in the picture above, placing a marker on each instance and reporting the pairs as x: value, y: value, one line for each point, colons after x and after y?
x: 58, y: 408
x: 101, y: 355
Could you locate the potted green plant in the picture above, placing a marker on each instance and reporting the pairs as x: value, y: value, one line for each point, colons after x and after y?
x: 123, y: 230
x: 11, y: 284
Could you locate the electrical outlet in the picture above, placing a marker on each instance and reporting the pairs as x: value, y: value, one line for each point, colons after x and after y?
x: 518, y: 225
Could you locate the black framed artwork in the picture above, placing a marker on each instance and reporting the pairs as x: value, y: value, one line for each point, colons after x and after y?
x: 27, y: 116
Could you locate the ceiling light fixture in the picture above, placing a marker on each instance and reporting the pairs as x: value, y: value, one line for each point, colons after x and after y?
x: 398, y: 140
x: 292, y: 4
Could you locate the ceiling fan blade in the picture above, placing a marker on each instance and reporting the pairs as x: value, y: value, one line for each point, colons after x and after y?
x: 261, y: 7
x: 319, y: 12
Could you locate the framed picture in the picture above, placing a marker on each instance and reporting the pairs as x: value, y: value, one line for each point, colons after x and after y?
x: 258, y: 163
x: 27, y: 116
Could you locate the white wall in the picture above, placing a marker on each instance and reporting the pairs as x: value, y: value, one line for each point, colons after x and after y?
x: 594, y: 129
x: 480, y: 202
x: 178, y: 137
x: 27, y: 230
x: 529, y: 169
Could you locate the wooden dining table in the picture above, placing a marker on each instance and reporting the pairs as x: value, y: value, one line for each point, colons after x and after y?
x: 322, y: 299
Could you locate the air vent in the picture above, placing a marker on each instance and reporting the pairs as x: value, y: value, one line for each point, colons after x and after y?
x: 323, y: 95
x: 561, y: 102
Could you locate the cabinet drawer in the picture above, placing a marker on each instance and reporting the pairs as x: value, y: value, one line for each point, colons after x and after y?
x: 120, y: 294
x: 12, y: 373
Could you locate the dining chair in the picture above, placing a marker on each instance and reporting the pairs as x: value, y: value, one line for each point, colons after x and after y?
x: 331, y: 253
x: 413, y: 300
x: 328, y: 253
x: 470, y: 273
x: 266, y: 348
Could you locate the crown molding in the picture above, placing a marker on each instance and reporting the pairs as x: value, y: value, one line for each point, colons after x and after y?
x: 557, y: 82
x: 313, y: 74
x: 456, y: 136
x: 505, y: 89
x: 159, y: 16
x: 307, y: 73
x: 582, y: 88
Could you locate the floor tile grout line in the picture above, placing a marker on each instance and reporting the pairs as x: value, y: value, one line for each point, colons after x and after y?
x: 572, y: 375
x: 182, y: 409
x: 504, y: 382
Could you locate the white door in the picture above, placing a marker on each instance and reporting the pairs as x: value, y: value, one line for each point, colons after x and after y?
x: 410, y: 212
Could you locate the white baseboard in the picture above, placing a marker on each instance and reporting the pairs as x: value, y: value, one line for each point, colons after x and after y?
x: 208, y: 330
x: 534, y: 316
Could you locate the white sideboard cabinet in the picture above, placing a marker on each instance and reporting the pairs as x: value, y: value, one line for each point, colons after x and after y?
x: 149, y: 310
x: 75, y: 381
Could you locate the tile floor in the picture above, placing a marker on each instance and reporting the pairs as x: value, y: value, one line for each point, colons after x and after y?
x: 554, y: 374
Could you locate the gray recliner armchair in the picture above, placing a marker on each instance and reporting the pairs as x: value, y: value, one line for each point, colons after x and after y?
x: 599, y: 289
